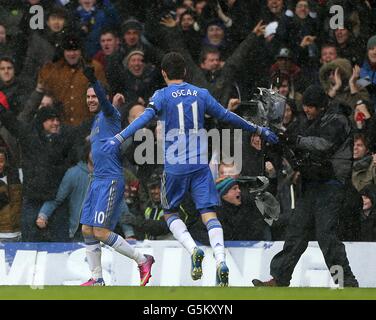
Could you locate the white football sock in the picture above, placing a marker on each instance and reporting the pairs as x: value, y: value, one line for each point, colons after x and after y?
x: 93, y: 255
x: 180, y: 232
x: 124, y: 248
x: 215, y: 233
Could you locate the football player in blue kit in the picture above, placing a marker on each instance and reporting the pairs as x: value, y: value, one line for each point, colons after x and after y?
x: 181, y: 107
x: 101, y: 208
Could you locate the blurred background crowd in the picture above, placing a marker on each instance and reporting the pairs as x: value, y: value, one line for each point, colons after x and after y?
x: 231, y: 47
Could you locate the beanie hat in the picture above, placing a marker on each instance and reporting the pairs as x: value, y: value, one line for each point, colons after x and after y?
x: 71, y: 42
x: 46, y: 113
x: 315, y: 96
x: 371, y: 42
x: 216, y: 22
x: 130, y: 54
x: 131, y: 24
x: 4, y: 100
x: 223, y: 185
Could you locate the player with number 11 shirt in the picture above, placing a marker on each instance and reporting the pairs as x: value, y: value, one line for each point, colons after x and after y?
x: 181, y: 107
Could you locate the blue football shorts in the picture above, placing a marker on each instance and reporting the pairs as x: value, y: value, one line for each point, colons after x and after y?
x: 199, y: 184
x: 101, y: 207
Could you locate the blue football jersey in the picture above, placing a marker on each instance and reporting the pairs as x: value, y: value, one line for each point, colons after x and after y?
x: 181, y: 109
x: 105, y: 125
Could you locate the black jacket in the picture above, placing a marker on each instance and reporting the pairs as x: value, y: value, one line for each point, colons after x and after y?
x: 242, y: 223
x: 17, y: 93
x: 121, y: 80
x: 44, y: 158
x: 368, y: 221
x: 327, y: 145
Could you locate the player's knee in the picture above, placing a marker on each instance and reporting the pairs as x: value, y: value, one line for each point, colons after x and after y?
x: 208, y: 214
x: 167, y: 213
x: 170, y: 218
x: 87, y: 231
x: 101, y: 233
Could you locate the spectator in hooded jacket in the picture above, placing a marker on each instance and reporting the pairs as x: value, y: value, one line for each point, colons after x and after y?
x: 339, y: 80
x: 216, y: 36
x: 368, y: 214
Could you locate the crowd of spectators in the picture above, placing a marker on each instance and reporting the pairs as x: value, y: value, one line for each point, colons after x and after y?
x: 231, y: 47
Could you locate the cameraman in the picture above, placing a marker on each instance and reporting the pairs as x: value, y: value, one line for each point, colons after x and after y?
x: 326, y: 166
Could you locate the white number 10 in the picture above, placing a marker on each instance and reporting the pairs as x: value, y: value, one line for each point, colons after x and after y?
x: 181, y: 117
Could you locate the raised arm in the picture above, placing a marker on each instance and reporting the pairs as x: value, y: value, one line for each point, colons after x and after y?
x: 106, y: 106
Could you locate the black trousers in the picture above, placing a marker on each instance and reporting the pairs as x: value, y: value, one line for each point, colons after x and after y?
x: 318, y: 209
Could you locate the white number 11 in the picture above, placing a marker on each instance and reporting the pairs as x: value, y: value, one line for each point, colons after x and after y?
x: 181, y: 117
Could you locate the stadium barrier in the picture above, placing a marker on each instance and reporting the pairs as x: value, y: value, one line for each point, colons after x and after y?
x: 39, y: 264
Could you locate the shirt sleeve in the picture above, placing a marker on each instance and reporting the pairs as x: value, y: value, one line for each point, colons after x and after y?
x: 139, y: 123
x: 154, y: 108
x: 156, y: 101
x: 216, y: 110
x: 106, y: 106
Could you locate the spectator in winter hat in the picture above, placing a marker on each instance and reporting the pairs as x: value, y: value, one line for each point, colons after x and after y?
x: 65, y: 80
x: 215, y: 36
x: 240, y: 219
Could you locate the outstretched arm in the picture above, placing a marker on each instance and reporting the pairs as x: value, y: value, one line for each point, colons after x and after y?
x: 139, y: 123
x: 216, y: 110
x: 114, y: 143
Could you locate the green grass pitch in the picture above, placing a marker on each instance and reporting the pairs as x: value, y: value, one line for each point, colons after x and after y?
x: 182, y: 293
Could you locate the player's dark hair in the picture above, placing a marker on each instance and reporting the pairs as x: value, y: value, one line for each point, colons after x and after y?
x: 173, y: 64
